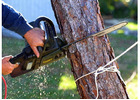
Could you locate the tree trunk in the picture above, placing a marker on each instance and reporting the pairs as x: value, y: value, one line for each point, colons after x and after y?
x: 77, y: 19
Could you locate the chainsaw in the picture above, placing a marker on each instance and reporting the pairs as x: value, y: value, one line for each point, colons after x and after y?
x: 54, y: 47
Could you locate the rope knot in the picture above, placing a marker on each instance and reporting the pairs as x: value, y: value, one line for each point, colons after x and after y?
x: 100, y: 68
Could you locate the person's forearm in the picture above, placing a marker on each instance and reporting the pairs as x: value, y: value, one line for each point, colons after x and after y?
x: 13, y: 20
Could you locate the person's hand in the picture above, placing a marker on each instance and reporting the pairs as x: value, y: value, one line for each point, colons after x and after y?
x: 35, y: 37
x: 7, y: 67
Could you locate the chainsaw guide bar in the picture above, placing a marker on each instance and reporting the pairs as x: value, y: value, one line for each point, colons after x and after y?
x: 101, y: 33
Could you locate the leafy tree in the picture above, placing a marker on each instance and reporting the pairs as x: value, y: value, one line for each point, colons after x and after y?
x: 119, y: 8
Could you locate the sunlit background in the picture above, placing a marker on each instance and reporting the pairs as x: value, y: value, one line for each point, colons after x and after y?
x: 56, y: 80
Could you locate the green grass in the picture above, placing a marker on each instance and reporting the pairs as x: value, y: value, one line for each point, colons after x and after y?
x: 132, y: 88
x: 11, y: 46
x: 132, y: 26
x: 55, y: 80
x: 66, y: 82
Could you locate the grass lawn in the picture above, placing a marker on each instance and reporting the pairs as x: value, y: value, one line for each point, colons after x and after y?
x: 55, y: 81
x: 132, y: 25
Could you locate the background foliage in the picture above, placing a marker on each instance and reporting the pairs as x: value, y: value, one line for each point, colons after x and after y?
x: 119, y: 8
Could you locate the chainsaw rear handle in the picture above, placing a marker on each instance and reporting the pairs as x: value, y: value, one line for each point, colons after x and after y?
x: 17, y: 58
x: 13, y: 60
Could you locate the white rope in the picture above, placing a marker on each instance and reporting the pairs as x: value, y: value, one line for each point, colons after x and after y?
x: 102, y: 69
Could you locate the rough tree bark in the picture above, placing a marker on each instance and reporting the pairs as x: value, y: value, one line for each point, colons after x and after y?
x: 76, y: 19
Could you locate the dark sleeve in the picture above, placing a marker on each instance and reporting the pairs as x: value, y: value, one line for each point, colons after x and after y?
x: 13, y: 20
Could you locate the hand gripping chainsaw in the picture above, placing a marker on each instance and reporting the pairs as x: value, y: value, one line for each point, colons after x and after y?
x: 54, y: 47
